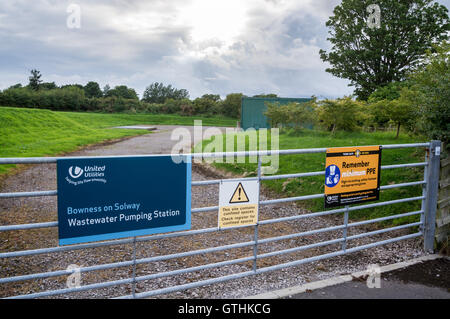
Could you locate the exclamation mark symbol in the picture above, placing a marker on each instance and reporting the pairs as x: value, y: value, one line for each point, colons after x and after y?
x: 239, y: 195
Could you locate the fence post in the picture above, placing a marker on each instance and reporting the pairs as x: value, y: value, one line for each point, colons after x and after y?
x: 255, y: 236
x: 443, y: 210
x: 431, y: 195
x: 133, y: 288
x: 344, y: 234
x: 424, y: 193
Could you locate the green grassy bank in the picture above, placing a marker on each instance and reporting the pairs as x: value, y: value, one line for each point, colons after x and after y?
x: 37, y: 132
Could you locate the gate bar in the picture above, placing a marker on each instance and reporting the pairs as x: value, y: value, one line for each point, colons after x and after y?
x: 200, y: 231
x: 217, y: 181
x: 202, y: 209
x: 47, y: 160
x: 265, y: 269
x: 220, y: 264
x: 200, y: 251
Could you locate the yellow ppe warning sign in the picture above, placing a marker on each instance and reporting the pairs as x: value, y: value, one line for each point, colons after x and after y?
x: 238, y: 203
x: 352, y: 175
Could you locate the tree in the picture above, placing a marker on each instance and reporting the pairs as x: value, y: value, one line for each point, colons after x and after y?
x: 122, y: 91
x: 302, y: 113
x: 341, y: 114
x: 432, y: 84
x: 402, y: 110
x: 48, y: 86
x: 388, y: 92
x: 270, y: 95
x: 16, y: 86
x: 154, y: 93
x: 371, y: 57
x: 92, y: 89
x: 212, y: 97
x: 158, y: 93
x: 106, y: 89
x: 78, y: 86
x: 35, y: 79
x: 378, y: 113
x: 380, y: 103
x: 202, y: 105
x: 180, y: 94
x: 277, y: 114
x: 232, y: 105
x: 292, y: 114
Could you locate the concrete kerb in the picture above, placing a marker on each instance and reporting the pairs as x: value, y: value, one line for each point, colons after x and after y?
x: 286, y: 292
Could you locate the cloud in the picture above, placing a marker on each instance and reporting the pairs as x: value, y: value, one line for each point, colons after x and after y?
x: 251, y: 47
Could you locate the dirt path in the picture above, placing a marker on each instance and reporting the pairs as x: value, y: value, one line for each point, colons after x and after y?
x: 43, y: 209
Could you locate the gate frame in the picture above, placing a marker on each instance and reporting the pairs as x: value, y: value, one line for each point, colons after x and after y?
x: 431, y: 195
x: 426, y: 227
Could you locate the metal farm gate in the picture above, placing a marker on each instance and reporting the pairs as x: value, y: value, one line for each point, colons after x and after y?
x: 426, y: 228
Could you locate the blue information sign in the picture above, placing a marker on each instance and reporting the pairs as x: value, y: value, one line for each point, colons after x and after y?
x: 108, y: 198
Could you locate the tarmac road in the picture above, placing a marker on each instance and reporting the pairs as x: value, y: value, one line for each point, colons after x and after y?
x: 426, y: 280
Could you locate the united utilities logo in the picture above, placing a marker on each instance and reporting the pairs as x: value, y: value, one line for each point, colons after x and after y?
x: 87, y: 174
x: 75, y: 172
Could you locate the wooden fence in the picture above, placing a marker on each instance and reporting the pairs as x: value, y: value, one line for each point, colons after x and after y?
x: 443, y: 211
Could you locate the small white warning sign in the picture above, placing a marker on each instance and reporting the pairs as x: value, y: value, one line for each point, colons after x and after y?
x: 238, y: 203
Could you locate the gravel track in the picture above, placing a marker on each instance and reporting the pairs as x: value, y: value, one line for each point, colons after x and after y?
x: 43, y: 209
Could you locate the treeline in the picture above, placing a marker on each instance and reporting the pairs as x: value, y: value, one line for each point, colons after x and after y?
x: 420, y: 104
x: 343, y: 114
x: 157, y: 98
x: 74, y: 99
x: 346, y: 114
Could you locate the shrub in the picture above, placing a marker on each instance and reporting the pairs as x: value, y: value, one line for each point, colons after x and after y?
x: 342, y: 114
x: 232, y: 105
x: 292, y: 114
x: 278, y: 114
x: 432, y: 86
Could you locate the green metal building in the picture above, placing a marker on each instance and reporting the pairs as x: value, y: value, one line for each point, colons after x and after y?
x: 253, y: 109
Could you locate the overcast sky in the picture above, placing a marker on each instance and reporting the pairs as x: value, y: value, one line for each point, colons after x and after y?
x: 204, y: 46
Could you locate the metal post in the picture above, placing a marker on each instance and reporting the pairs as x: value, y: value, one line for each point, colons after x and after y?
x: 424, y: 192
x: 255, y: 236
x: 431, y: 195
x: 344, y: 243
x: 134, y: 268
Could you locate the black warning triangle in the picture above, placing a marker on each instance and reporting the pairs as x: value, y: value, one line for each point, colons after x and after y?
x: 239, y: 195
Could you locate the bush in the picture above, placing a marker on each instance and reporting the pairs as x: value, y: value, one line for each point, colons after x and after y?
x: 73, y: 98
x: 432, y: 86
x: 232, y: 105
x: 68, y: 98
x: 400, y: 111
x: 292, y: 114
x: 186, y: 107
x: 205, y: 105
x: 342, y: 114
x: 278, y: 114
x: 159, y: 93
